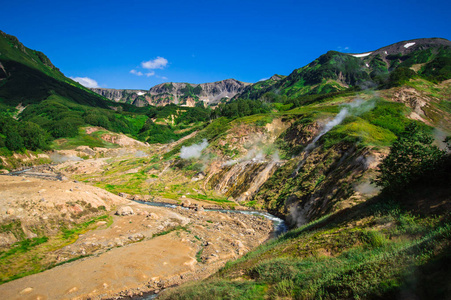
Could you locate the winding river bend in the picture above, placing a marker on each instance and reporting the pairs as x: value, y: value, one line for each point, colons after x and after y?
x: 279, y: 224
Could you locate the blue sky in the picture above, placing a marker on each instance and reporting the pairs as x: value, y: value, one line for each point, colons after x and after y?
x: 138, y: 44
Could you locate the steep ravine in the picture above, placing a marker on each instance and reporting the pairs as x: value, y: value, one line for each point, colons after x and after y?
x: 315, y: 181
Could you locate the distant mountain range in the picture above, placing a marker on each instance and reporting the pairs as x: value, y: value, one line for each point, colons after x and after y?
x: 331, y: 72
x: 28, y: 76
x: 185, y: 94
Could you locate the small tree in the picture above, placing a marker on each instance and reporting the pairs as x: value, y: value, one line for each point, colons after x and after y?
x: 410, y: 157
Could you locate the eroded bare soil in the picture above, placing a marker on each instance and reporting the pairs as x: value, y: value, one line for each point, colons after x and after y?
x: 142, y: 249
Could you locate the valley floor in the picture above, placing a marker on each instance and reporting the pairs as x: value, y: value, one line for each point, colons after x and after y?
x: 143, y: 249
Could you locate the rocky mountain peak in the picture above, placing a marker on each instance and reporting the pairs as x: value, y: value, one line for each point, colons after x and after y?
x: 276, y: 77
x: 182, y: 93
x: 405, y: 47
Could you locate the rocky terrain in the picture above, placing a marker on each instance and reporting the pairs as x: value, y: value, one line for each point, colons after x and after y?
x: 118, y: 95
x: 185, y: 94
x: 146, y: 248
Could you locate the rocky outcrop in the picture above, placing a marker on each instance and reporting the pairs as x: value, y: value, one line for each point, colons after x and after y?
x: 124, y: 211
x: 119, y: 95
x: 406, y: 47
x: 3, y: 73
x: 242, y: 180
x: 185, y: 94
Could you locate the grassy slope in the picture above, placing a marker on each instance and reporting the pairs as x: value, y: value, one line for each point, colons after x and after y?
x: 33, y: 77
x: 335, y: 71
x: 381, y: 248
x: 378, y: 249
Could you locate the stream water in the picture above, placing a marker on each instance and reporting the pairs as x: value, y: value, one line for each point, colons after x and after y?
x: 279, y: 227
x: 279, y: 224
x: 17, y: 173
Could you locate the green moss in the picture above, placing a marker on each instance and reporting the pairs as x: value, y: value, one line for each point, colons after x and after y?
x: 73, y: 232
x: 220, y: 289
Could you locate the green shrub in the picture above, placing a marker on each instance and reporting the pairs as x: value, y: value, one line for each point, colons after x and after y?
x: 411, y: 156
x: 275, y: 270
x: 372, y: 238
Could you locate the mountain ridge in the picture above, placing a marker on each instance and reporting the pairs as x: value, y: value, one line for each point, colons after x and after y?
x: 336, y: 71
x: 182, y: 93
x: 361, y: 70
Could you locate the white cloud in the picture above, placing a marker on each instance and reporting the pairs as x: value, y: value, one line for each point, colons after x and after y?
x: 161, y: 77
x: 150, y: 74
x: 345, y: 48
x: 157, y: 63
x: 85, y: 81
x: 137, y: 73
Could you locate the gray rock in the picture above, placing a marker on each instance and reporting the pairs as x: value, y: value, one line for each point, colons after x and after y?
x: 125, y: 211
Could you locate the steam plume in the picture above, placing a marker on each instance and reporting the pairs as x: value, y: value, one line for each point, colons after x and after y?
x: 58, y: 158
x: 193, y: 151
x: 356, y: 107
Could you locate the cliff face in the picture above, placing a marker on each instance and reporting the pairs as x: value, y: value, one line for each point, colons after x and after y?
x: 185, y: 94
x: 119, y: 95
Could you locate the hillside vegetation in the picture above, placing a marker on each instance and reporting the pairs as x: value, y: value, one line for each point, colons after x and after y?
x: 392, y: 245
x: 351, y: 150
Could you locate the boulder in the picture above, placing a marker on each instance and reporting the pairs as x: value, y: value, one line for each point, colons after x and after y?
x: 186, y: 203
x: 125, y: 211
x: 124, y: 195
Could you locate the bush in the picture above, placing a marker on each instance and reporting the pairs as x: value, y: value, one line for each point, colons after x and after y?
x: 411, y: 156
x: 65, y: 128
x: 34, y: 137
x: 372, y: 238
x: 400, y: 76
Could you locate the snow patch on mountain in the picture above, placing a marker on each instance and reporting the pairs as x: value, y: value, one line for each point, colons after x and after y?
x: 362, y: 54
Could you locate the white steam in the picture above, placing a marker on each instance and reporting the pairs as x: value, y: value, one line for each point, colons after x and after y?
x: 193, y: 151
x: 275, y: 156
x: 58, y: 158
x: 367, y: 188
x: 439, y: 138
x: 331, y: 124
x: 140, y: 153
x: 356, y: 107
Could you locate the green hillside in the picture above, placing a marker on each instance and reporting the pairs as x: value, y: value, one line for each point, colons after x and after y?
x: 382, y: 247
x: 335, y: 71
x: 30, y: 77
x: 55, y: 106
